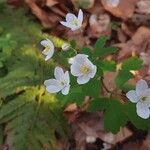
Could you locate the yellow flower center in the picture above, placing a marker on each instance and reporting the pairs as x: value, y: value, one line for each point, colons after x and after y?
x: 74, y: 22
x: 143, y: 98
x: 47, y: 48
x: 84, y: 69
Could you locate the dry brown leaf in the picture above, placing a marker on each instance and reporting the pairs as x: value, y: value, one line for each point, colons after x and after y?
x: 45, y: 19
x: 124, y: 10
x: 140, y: 19
x: 99, y: 25
x: 50, y: 3
x: 139, y: 43
x: 143, y: 7
x: 71, y: 107
x: 85, y: 4
x: 89, y: 127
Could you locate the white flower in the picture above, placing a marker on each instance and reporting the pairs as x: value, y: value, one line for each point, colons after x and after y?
x: 82, y: 68
x: 72, y: 21
x: 61, y: 83
x: 141, y: 96
x: 65, y: 46
x: 113, y: 3
x: 49, y: 49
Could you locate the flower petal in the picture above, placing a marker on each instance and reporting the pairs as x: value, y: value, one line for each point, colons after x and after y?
x: 44, y: 43
x: 146, y: 93
x: 65, y: 46
x: 70, y: 17
x: 141, y: 85
x: 142, y: 110
x: 79, y: 58
x: 80, y: 16
x: 75, y: 70
x: 65, y: 90
x: 50, y: 54
x: 59, y: 74
x: 67, y: 77
x: 132, y: 96
x: 83, y: 79
x: 48, y: 43
x: 93, y: 72
x: 92, y: 67
x: 75, y: 27
x: 66, y: 24
x: 53, y: 86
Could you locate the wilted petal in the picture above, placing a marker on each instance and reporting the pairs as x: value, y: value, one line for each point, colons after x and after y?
x: 65, y: 90
x: 80, y: 16
x: 143, y: 110
x: 132, y: 96
x: 141, y: 86
x: 53, y: 86
x: 83, y: 79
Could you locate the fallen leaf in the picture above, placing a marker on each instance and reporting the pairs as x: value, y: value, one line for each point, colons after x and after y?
x: 138, y: 43
x: 99, y: 25
x: 143, y: 7
x: 124, y: 9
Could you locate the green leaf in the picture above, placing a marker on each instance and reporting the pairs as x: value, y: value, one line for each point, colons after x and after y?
x: 100, y: 50
x: 98, y: 105
x: 133, y: 63
x: 114, y: 117
x: 123, y: 77
x: 92, y: 88
x: 130, y: 111
x: 30, y: 123
x: 86, y: 50
x: 75, y: 95
x: 107, y: 65
x: 100, y: 43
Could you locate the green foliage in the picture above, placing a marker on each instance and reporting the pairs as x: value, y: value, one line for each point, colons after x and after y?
x: 100, y: 50
x: 98, y: 104
x: 114, y: 117
x: 132, y: 63
x: 107, y: 65
x: 130, y: 110
x: 122, y: 77
x: 29, y: 116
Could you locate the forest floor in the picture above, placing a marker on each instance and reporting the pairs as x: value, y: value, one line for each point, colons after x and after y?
x: 128, y: 26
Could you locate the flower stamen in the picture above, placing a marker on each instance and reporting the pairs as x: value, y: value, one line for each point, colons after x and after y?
x: 84, y: 69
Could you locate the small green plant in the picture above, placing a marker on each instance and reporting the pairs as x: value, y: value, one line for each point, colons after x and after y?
x: 83, y: 76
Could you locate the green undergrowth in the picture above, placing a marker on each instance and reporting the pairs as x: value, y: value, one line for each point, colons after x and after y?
x: 29, y: 116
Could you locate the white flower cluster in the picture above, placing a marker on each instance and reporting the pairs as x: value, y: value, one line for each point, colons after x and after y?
x: 81, y: 67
